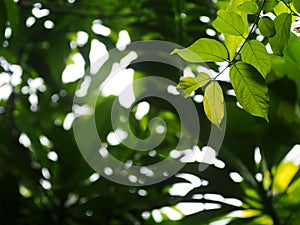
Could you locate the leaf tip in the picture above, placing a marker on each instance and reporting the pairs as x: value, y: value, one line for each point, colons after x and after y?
x: 174, y: 51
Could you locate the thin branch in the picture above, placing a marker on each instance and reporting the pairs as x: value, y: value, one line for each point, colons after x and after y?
x: 246, y: 39
x: 289, y: 7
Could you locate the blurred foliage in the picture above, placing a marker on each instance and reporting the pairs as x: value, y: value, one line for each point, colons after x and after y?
x: 45, y: 180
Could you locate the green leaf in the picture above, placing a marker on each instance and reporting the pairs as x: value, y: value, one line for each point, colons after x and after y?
x: 255, y: 54
x: 282, y: 27
x: 214, y: 103
x: 248, y: 7
x: 293, y: 49
x: 203, y: 50
x: 250, y: 89
x: 232, y: 42
x: 270, y: 5
x: 229, y: 23
x: 296, y: 4
x: 267, y: 26
x: 281, y: 8
x: 190, y: 84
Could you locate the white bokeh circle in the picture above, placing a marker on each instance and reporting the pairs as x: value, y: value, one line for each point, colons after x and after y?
x: 96, y: 152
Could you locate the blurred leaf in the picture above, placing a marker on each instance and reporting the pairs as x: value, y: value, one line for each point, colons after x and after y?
x: 285, y: 172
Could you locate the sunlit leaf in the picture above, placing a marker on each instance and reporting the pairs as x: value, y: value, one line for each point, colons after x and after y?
x: 190, y: 84
x: 281, y: 8
x: 229, y: 23
x: 248, y: 7
x: 232, y: 42
x: 214, y: 103
x: 203, y: 50
x: 250, y: 89
x: 255, y: 54
x: 285, y: 173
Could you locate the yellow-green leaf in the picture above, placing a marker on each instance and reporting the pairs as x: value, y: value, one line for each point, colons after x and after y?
x: 248, y: 7
x: 255, y: 54
x: 232, y: 42
x: 214, y: 103
x: 285, y: 173
x: 229, y: 23
x: 281, y: 8
x: 203, y: 50
x: 190, y: 84
x: 250, y: 89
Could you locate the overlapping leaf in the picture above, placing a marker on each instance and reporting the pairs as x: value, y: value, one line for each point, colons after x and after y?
x: 266, y: 26
x: 250, y: 88
x: 255, y: 54
x: 248, y: 7
x: 282, y: 26
x: 190, y: 84
x: 203, y: 50
x: 229, y: 23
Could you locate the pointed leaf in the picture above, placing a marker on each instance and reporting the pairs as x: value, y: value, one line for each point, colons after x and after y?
x: 248, y: 7
x: 204, y: 50
x: 229, y: 23
x: 282, y: 26
x: 250, y: 89
x: 267, y: 26
x: 214, y: 103
x: 255, y: 54
x: 190, y: 84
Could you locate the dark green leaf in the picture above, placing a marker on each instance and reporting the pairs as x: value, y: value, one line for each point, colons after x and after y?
x: 296, y: 4
x: 270, y: 5
x: 266, y: 26
x: 282, y: 27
